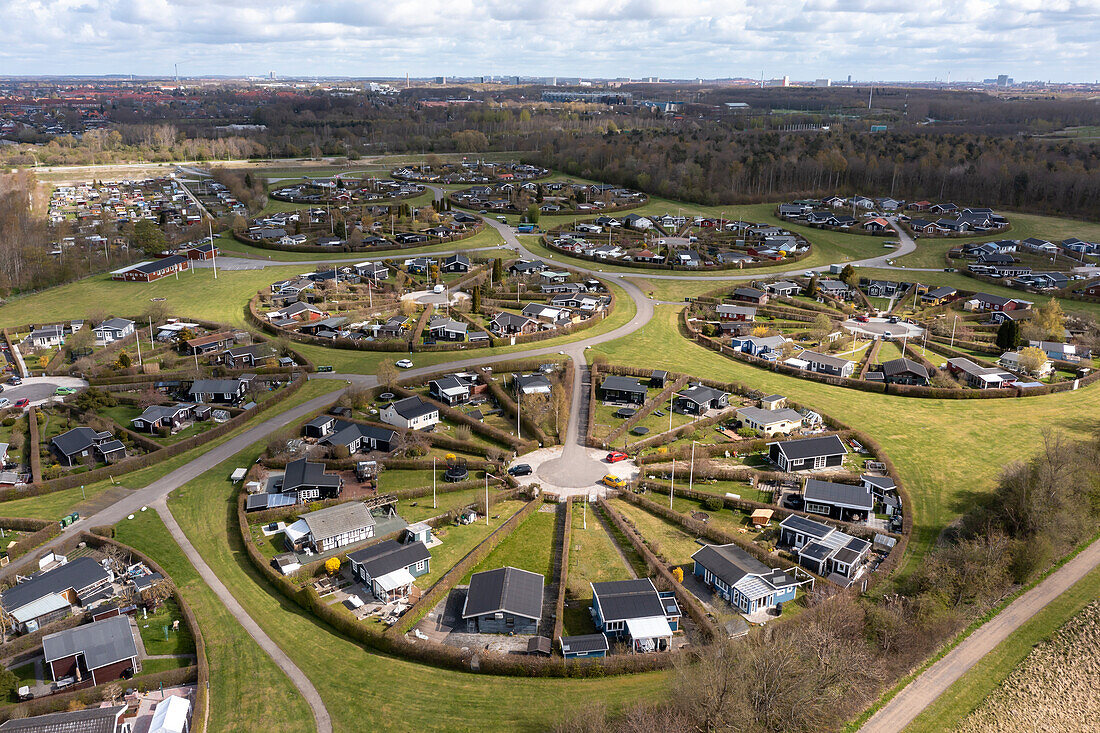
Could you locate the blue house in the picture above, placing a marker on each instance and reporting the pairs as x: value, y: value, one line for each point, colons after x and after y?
x: 634, y: 610
x: 389, y: 567
x: 746, y: 583
x: 586, y: 645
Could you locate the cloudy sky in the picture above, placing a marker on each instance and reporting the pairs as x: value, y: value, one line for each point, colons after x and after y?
x: 1057, y: 40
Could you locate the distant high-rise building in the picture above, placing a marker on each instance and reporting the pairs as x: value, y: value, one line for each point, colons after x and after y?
x: 271, y: 75
x: 441, y: 80
x: 786, y: 81
x: 1003, y: 80
x: 823, y: 83
x: 849, y: 78
x: 515, y: 80
x: 554, y: 81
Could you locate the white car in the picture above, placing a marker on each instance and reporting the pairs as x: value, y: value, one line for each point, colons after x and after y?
x: 405, y: 363
x: 4, y: 402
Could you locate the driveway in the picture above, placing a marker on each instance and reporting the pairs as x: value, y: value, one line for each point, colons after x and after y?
x: 576, y: 474
x: 40, y: 390
x: 877, y: 327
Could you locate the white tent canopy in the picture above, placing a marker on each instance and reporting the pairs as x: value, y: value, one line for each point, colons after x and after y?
x: 170, y: 715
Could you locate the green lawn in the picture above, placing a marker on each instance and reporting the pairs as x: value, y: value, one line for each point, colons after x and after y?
x: 245, y: 685
x: 152, y: 630
x: 593, y: 558
x: 459, y: 539
x: 527, y: 548
x: 947, y: 451
x: 417, y: 510
x: 981, y: 680
x: 665, y: 538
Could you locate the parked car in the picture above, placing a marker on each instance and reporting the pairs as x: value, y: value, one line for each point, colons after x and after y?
x: 615, y: 456
x: 4, y: 402
x: 520, y: 469
x: 405, y: 363
x: 21, y: 404
x: 614, y: 482
x: 324, y: 368
x: 64, y: 391
x: 15, y: 381
x: 793, y: 501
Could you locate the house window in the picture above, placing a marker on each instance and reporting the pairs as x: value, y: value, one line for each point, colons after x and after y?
x: 817, y: 508
x: 421, y: 565
x: 819, y: 461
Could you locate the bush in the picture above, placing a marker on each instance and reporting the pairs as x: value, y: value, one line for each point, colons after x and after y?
x: 714, y: 504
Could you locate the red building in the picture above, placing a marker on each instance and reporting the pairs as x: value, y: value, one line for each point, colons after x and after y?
x: 147, y: 272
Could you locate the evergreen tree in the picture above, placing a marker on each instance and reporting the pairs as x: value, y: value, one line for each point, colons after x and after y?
x: 498, y: 270
x: 1008, y: 335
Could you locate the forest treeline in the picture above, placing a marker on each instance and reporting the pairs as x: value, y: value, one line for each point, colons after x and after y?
x: 844, y: 651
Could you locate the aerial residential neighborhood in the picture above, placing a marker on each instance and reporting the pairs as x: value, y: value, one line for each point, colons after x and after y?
x: 686, y: 369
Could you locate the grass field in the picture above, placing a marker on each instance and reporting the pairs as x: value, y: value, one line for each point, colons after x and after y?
x: 246, y: 686
x: 947, y: 451
x: 665, y: 538
x: 593, y: 558
x: 984, y: 678
x: 153, y: 635
x: 527, y: 548
x: 368, y: 680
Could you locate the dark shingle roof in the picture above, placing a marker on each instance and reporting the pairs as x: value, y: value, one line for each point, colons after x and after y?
x: 76, y: 440
x: 80, y: 573
x: 103, y: 642
x: 413, y: 407
x: 89, y: 720
x: 827, y: 492
x: 622, y: 384
x: 390, y: 555
x: 626, y: 599
x: 507, y: 589
x: 303, y: 473
x: 584, y: 644
x: 825, y: 445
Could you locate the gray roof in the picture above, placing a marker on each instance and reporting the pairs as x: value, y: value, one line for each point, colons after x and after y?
x: 77, y: 440
x: 389, y: 555
x: 215, y: 386
x: 768, y: 417
x: 114, y: 324
x: 825, y: 445
x: 584, y: 644
x: 881, y: 482
x: 153, y: 413
x: 844, y: 495
x: 731, y: 564
x: 806, y: 526
x: 701, y: 394
x: 103, y: 642
x: 506, y: 589
x: 88, y: 720
x: 903, y: 365
x: 818, y: 357
x: 78, y: 574
x: 336, y: 520
x: 532, y: 381
x: 620, y: 600
x: 302, y: 473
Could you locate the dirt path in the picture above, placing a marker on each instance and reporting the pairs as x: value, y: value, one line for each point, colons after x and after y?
x: 296, y: 675
x: 934, y: 681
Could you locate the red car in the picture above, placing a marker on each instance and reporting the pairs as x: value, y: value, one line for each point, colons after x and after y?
x: 21, y: 404
x: 863, y: 319
x: 616, y: 456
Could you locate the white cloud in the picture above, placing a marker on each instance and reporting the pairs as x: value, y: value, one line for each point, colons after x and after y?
x: 879, y: 39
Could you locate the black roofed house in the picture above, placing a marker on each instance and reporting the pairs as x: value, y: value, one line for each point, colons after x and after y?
x: 74, y: 445
x: 698, y: 398
x: 330, y: 528
x: 390, y: 567
x: 622, y: 389
x: 634, y: 609
x: 456, y: 263
x: 88, y: 720
x: 410, y: 238
x: 355, y: 437
x: 784, y: 288
x: 804, y: 454
x: 413, y: 413
x: 307, y: 481
x: 743, y: 581
x: 658, y: 378
x: 834, y: 288
x: 905, y: 371
x: 253, y: 355
x: 372, y: 270
x: 923, y: 226
x: 822, y: 549
x: 838, y: 501
x: 504, y: 601
x: 228, y: 391
x: 155, y: 417
x: 449, y: 390
x: 527, y: 267
x: 49, y: 596
x: 750, y: 295
x: 98, y: 652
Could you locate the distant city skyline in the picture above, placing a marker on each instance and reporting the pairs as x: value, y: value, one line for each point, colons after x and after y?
x: 876, y: 40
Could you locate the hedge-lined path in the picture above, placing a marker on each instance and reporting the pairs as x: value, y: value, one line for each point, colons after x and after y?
x: 309, y: 692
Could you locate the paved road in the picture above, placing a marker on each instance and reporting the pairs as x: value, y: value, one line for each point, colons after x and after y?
x: 40, y: 389
x: 925, y: 689
x: 297, y: 676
